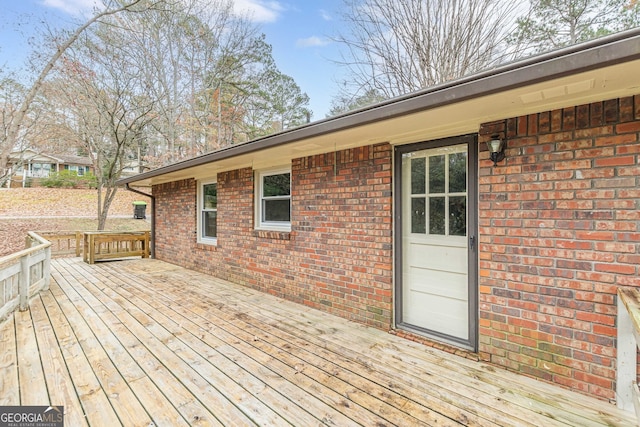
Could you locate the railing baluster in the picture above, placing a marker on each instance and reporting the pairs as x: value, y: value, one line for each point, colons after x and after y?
x: 25, y: 278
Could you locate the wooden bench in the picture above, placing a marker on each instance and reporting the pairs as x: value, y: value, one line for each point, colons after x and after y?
x: 627, y: 392
x: 101, y: 245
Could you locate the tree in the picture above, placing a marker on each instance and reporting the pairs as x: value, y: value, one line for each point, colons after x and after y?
x: 277, y: 105
x: 179, y: 50
x: 35, y: 131
x: 106, y: 104
x: 552, y: 24
x: 8, y: 141
x: 345, y: 103
x: 210, y: 70
x: 287, y: 101
x: 396, y: 47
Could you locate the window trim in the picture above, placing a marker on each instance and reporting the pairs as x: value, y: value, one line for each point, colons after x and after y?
x: 200, y: 226
x: 270, y: 225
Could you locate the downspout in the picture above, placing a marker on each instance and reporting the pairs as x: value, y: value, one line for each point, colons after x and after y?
x: 152, y: 246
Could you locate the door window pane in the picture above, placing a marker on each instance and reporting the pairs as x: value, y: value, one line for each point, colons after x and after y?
x: 436, y: 174
x: 457, y: 216
x: 418, y: 219
x: 458, y: 173
x: 436, y: 215
x: 418, y: 170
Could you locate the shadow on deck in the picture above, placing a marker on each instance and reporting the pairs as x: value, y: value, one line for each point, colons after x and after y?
x: 143, y: 342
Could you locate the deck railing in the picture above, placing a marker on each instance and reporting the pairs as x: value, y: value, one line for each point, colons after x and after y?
x: 627, y: 392
x: 23, y: 274
x: 63, y: 243
x: 100, y: 245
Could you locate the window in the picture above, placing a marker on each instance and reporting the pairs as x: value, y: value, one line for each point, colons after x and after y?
x: 79, y: 170
x: 208, y: 209
x: 439, y: 192
x: 273, y: 201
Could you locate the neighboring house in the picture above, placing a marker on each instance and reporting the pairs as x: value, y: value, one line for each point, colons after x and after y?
x: 133, y: 167
x: 395, y: 217
x: 29, y: 164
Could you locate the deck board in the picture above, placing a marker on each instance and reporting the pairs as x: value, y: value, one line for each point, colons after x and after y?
x: 92, y: 396
x: 29, y: 367
x: 313, y: 372
x: 143, y: 342
x: 9, y: 385
x: 59, y: 384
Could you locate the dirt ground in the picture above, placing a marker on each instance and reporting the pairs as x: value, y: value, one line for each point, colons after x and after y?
x: 44, y: 209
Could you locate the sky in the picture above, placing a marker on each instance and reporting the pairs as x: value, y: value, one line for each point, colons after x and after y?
x: 299, y: 32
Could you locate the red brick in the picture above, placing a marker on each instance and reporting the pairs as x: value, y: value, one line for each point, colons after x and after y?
x: 615, y: 161
x: 615, y: 140
x: 616, y: 268
x: 611, y: 111
x: 582, y: 116
x: 593, y: 379
x: 626, y: 109
x: 556, y: 120
x: 568, y: 118
x: 597, y: 114
x: 544, y: 122
x: 631, y: 127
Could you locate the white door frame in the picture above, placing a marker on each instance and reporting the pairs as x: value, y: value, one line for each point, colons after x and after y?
x: 472, y: 238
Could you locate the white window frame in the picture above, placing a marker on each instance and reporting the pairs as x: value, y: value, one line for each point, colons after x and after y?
x: 200, y: 227
x: 79, y: 170
x: 270, y: 225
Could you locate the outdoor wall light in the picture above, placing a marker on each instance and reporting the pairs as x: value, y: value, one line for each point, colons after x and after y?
x: 496, y: 149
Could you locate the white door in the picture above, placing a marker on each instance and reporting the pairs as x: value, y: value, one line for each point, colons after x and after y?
x: 435, y: 243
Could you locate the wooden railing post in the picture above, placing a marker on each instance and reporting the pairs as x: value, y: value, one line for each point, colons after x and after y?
x: 78, y: 243
x: 47, y: 268
x: 23, y: 284
x: 146, y: 244
x: 85, y: 245
x: 628, y: 340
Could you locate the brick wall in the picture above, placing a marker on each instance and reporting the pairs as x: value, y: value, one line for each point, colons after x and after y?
x: 338, y: 256
x: 559, y: 232
x: 175, y: 231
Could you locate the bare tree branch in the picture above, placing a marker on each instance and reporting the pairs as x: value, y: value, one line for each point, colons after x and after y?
x: 12, y: 133
x: 395, y: 47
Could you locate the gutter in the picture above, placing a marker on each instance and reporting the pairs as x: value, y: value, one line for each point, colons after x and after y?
x: 152, y: 245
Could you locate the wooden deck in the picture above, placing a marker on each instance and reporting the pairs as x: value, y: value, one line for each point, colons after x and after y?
x: 142, y: 342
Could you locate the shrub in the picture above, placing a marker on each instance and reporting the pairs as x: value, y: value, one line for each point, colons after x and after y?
x: 69, y: 179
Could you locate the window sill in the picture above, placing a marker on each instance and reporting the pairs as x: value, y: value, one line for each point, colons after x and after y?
x: 212, y: 247
x: 272, y: 234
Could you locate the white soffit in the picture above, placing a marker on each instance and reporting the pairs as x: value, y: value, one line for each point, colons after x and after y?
x: 557, y: 91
